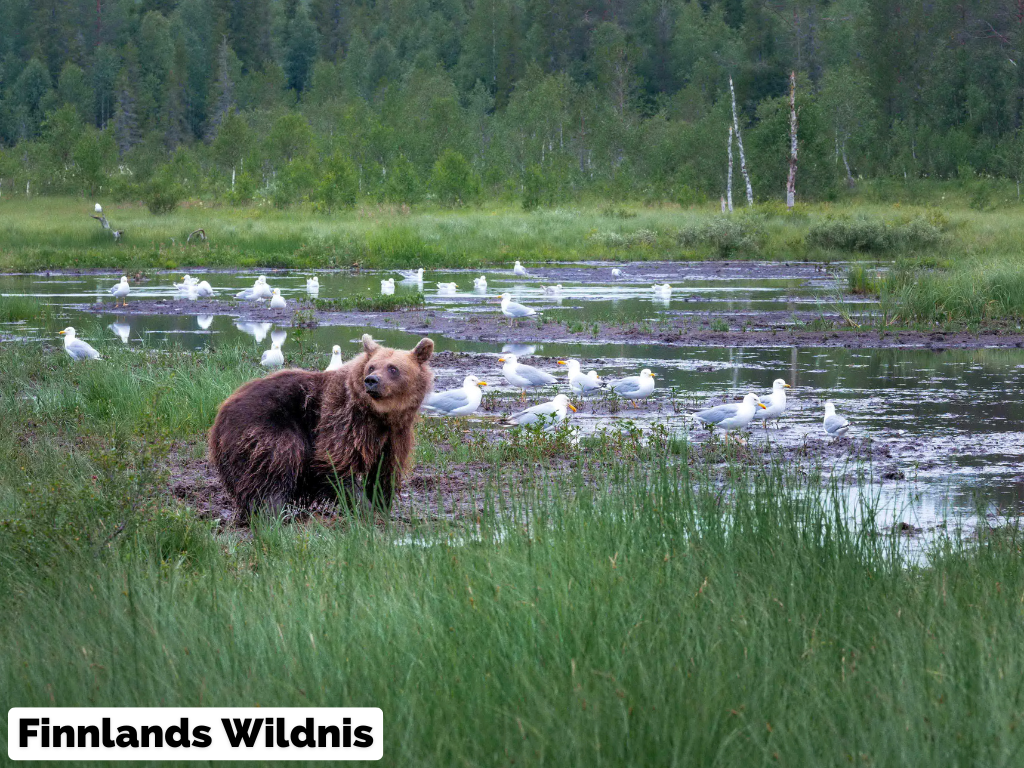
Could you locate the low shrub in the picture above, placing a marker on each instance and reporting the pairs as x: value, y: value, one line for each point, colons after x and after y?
x: 873, y: 235
x: 727, y: 236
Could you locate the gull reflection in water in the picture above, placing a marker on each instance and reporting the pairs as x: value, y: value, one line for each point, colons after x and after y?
x: 121, y: 330
x: 520, y: 350
x: 258, y: 331
x: 205, y: 321
x: 278, y: 336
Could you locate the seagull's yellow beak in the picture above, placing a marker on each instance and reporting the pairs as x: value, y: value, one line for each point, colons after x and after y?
x: 562, y: 362
x: 481, y: 383
x: 787, y: 386
x: 763, y: 406
x: 61, y: 332
x: 501, y: 359
x: 572, y: 406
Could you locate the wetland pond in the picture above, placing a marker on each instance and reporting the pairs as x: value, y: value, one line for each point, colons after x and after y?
x: 937, y: 427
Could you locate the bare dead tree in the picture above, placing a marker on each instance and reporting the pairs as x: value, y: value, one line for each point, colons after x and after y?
x: 791, y: 183
x: 200, y: 233
x: 739, y: 144
x: 728, y: 185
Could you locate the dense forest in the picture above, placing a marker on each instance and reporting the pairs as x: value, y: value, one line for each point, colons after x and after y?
x: 332, y: 101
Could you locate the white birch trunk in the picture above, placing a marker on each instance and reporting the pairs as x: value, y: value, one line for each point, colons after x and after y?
x: 739, y: 143
x: 728, y: 185
x: 791, y: 183
x: 723, y: 203
x: 232, y: 179
x: 28, y: 186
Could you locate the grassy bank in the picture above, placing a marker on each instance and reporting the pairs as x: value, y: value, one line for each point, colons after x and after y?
x: 43, y: 233
x: 654, y: 617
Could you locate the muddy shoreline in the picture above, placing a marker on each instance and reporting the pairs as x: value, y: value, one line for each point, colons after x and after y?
x: 745, y: 329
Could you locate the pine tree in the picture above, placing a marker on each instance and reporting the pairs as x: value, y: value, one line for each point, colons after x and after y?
x: 126, y: 124
x: 302, y: 48
x: 223, y: 92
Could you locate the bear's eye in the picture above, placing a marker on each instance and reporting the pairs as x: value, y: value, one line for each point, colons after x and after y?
x: 392, y: 370
x: 370, y: 369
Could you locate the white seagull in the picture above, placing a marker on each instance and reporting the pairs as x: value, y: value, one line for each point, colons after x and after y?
x: 411, y: 275
x: 731, y: 416
x: 581, y: 383
x: 387, y: 287
x: 121, y: 290
x: 519, y: 269
x: 446, y: 289
x: 259, y: 291
x: 513, y: 309
x: 456, y: 402
x: 480, y: 283
x: 313, y: 284
x: 78, y: 349
x: 635, y: 387
x: 616, y: 272
x: 98, y: 208
x: 834, y: 424
x: 187, y: 284
x: 335, y: 363
x: 278, y: 302
x: 551, y: 414
x: 524, y: 376
x: 553, y: 290
x: 273, y: 357
x: 204, y: 290
x: 662, y: 290
x: 775, y: 403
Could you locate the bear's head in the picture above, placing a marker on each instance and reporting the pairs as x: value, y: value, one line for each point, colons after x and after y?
x: 396, y: 379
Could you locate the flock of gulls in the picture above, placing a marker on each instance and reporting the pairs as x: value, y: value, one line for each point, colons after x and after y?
x: 465, y: 400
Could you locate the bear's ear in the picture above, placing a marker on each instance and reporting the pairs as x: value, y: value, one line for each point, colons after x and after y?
x: 423, y: 350
x: 369, y: 345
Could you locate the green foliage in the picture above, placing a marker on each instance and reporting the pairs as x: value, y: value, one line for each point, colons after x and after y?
x: 868, y: 234
x: 338, y: 184
x: 862, y: 281
x: 163, y: 192
x: 453, y: 179
x: 725, y: 236
x: 533, y: 188
x: 376, y: 303
x: 403, y: 183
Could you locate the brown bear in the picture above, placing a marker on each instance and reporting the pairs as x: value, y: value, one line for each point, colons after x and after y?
x: 302, y: 436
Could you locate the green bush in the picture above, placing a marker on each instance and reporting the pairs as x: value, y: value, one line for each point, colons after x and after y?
x: 162, y: 193
x: 868, y: 234
x: 403, y: 184
x: 533, y: 188
x: 453, y: 179
x: 726, y: 235
x: 338, y: 186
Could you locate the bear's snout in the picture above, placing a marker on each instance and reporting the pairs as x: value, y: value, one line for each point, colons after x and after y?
x: 372, y: 384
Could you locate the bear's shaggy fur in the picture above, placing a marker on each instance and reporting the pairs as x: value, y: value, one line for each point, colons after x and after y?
x: 299, y: 436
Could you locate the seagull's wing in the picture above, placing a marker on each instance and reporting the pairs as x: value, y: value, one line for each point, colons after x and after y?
x: 519, y: 310
x: 835, y: 423
x: 717, y: 414
x: 246, y: 294
x: 534, y: 414
x: 628, y: 386
x: 535, y: 376
x: 446, y: 402
x: 81, y: 350
x: 263, y: 357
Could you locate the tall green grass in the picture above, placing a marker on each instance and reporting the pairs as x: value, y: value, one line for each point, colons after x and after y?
x: 659, y: 615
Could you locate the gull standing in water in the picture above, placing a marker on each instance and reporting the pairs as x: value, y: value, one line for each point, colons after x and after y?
x: 513, y: 310
x: 775, y: 403
x: 635, y: 387
x: 411, y: 275
x: 456, y: 402
x: 520, y: 270
x: 313, y: 284
x: 663, y: 291
x: 553, y: 290
x: 204, y: 290
x: 524, y: 376
x: 579, y: 382
x: 259, y: 291
x: 278, y: 301
x: 480, y: 283
x: 335, y: 363
x: 834, y: 424
x: 121, y: 290
x: 446, y: 289
x: 551, y: 413
x: 731, y: 416
x: 78, y: 349
x: 273, y: 357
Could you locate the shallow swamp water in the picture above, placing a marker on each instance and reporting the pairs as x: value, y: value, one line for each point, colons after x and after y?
x: 937, y: 427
